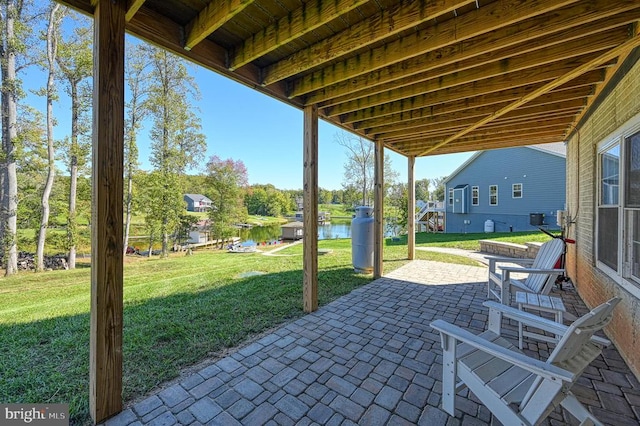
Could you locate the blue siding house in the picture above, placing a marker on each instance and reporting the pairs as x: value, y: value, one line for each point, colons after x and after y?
x: 497, y: 190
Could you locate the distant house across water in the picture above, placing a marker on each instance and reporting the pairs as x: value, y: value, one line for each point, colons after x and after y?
x: 197, y: 202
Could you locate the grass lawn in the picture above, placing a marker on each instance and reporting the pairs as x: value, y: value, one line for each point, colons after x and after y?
x: 470, y: 241
x: 177, y: 311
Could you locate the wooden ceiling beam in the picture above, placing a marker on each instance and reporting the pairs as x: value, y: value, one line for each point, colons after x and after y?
x: 433, y: 99
x: 443, y: 119
x: 403, y: 58
x: 487, y: 144
x: 307, y: 18
x: 398, y: 132
x: 492, y: 65
x: 478, y: 105
x: 556, y: 123
x: 559, y: 123
x: 212, y: 17
x: 492, y: 75
x: 133, y: 7
x: 608, y: 56
x: 610, y: 72
x: 489, y: 85
x: 500, y: 13
x: 523, y: 136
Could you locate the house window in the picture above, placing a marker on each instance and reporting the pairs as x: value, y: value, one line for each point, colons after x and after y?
x: 450, y: 196
x: 493, y: 195
x: 632, y: 204
x: 475, y: 195
x: 608, y: 207
x: 618, y: 221
x: 516, y: 190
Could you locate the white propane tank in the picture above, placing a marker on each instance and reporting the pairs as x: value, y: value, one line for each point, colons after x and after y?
x: 362, y: 240
x: 489, y: 226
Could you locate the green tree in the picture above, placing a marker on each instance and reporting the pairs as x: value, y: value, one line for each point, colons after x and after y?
x: 136, y: 75
x: 31, y: 160
x: 176, y: 139
x: 16, y: 34
x: 359, y: 168
x: 422, y: 189
x: 438, y: 191
x: 75, y: 61
x: 227, y: 180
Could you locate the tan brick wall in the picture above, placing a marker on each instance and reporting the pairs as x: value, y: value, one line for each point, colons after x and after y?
x: 621, y: 105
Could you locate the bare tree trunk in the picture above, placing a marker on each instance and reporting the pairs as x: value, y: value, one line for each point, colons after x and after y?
x: 51, y: 59
x: 128, y: 203
x: 9, y: 135
x: 72, y: 225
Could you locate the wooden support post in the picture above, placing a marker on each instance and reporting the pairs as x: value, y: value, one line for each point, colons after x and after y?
x: 310, y: 209
x: 378, y: 211
x: 411, y: 208
x: 105, y: 365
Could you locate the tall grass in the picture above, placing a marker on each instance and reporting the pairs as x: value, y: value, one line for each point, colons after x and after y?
x: 177, y: 311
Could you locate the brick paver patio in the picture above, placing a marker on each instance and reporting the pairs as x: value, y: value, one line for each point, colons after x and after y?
x: 370, y: 358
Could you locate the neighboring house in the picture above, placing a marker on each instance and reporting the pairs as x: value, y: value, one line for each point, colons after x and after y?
x: 197, y: 202
x: 603, y: 206
x: 498, y: 190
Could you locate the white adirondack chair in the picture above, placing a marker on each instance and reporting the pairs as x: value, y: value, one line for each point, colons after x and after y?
x: 518, y: 389
x: 540, y: 271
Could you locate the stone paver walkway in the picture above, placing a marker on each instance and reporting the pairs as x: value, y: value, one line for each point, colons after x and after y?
x: 369, y: 358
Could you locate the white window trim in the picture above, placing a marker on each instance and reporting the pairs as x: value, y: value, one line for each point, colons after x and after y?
x: 476, y: 188
x: 513, y: 190
x: 617, y: 137
x: 496, y: 203
x: 450, y: 196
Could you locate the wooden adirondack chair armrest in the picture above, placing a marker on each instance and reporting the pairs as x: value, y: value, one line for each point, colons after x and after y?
x: 531, y: 270
x: 530, y: 319
x: 494, y: 259
x: 509, y: 259
x: 542, y: 369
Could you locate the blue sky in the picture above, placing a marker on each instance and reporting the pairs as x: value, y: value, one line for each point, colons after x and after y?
x: 264, y: 133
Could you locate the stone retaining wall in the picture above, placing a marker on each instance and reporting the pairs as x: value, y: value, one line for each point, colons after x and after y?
x: 528, y: 250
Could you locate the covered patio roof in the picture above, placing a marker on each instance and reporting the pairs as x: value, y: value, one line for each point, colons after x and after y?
x: 423, y: 77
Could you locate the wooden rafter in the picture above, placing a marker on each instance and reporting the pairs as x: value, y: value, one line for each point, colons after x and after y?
x: 610, y: 72
x: 307, y: 18
x: 474, y: 106
x: 134, y: 5
x: 326, y: 84
x: 495, y: 64
x: 455, y: 118
x: 608, y: 56
x: 446, y: 96
x: 402, y: 17
x: 212, y: 17
x: 484, y: 144
x: 497, y: 75
x: 539, y: 120
x: 442, y: 45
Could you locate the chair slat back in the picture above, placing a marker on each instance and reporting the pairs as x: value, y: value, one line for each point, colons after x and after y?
x: 579, y: 333
x: 546, y: 258
x: 572, y: 344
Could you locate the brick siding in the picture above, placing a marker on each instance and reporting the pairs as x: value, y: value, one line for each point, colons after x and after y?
x: 619, y: 106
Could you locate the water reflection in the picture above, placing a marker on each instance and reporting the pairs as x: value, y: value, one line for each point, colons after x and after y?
x: 270, y: 233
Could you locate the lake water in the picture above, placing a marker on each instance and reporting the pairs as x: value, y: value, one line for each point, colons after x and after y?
x: 335, y: 229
